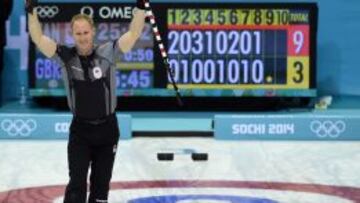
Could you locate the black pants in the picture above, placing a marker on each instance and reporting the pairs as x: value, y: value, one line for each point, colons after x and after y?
x: 94, y: 146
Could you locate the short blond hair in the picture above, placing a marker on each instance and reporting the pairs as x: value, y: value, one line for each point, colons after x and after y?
x: 82, y: 17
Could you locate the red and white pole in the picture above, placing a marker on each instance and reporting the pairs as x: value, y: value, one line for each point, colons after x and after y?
x: 162, y: 49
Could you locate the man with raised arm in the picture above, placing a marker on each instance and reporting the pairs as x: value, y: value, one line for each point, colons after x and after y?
x: 89, y: 77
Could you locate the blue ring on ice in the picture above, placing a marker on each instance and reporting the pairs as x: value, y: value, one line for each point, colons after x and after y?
x: 178, y: 198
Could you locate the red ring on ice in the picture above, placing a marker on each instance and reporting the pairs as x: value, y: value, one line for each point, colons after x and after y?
x: 47, y: 194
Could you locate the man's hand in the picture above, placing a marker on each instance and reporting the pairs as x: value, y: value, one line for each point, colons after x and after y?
x: 140, y: 4
x: 30, y: 5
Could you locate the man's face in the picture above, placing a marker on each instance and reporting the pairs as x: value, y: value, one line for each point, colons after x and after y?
x: 83, y: 34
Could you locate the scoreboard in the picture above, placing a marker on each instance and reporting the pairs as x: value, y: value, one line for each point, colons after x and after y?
x: 245, y: 47
x: 228, y: 50
x: 239, y: 48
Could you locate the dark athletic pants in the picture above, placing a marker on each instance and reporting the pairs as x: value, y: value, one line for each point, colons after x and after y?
x: 94, y: 146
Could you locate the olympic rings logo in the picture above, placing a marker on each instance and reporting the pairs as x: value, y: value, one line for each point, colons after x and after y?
x: 328, y: 128
x: 47, y: 11
x: 87, y: 10
x: 18, y: 127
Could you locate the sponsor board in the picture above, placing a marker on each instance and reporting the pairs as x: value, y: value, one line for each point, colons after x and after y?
x: 287, y: 127
x: 47, y: 126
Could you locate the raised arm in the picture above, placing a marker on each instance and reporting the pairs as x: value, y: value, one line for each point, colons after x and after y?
x: 46, y: 45
x: 127, y: 40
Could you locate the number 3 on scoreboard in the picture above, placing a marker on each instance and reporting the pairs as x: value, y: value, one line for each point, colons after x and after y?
x: 298, y: 72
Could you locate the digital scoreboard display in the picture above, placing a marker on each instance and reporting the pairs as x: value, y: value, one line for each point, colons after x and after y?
x: 232, y: 50
x: 239, y: 48
x: 242, y: 49
x: 135, y: 69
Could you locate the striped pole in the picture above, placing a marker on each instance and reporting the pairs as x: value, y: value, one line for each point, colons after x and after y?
x: 162, y: 49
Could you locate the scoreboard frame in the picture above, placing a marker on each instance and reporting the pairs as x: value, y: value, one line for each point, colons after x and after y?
x: 160, y: 11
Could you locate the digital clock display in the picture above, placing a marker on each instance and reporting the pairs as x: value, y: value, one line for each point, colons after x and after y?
x: 214, y: 50
x: 135, y: 69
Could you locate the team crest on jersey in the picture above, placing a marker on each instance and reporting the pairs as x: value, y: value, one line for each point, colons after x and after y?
x: 97, y: 72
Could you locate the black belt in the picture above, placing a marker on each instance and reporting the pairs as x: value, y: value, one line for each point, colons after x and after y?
x: 95, y: 121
